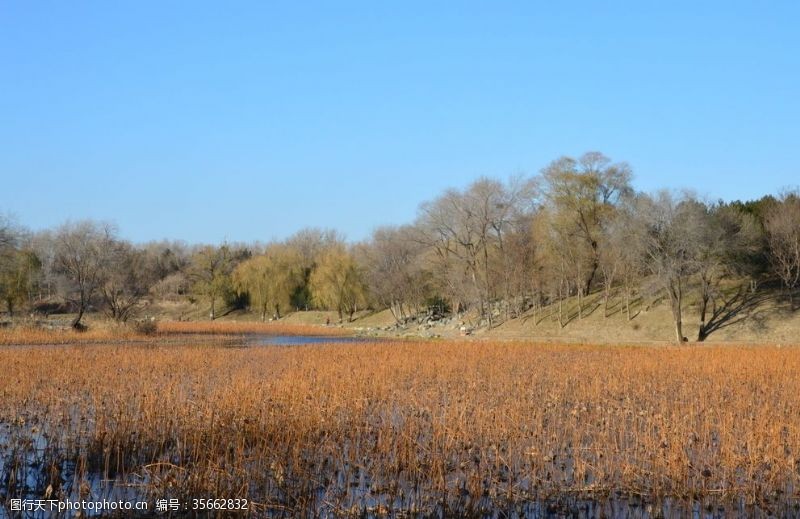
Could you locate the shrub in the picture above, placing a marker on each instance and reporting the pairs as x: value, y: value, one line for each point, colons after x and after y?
x: 145, y: 326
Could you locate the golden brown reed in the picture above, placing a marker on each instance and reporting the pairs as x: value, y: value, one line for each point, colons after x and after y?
x: 22, y: 334
x: 350, y: 427
x: 120, y: 332
x: 248, y: 327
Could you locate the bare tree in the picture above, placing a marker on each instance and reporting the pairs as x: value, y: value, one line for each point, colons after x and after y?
x: 127, y: 281
x: 612, y: 264
x: 84, y: 251
x: 437, y: 232
x: 620, y: 257
x: 726, y: 238
x: 467, y: 230
x: 520, y: 267
x: 452, y: 225
x: 393, y: 270
x: 555, y: 258
x: 782, y: 224
x: 668, y: 236
x: 9, y: 234
x: 165, y: 258
x: 566, y: 260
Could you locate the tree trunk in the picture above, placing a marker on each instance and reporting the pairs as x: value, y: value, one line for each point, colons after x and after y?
x: 76, y: 323
x: 676, y: 299
x: 702, y: 332
x: 628, y: 302
x: 395, y: 312
x: 705, y: 295
x: 213, y: 310
x: 595, y: 265
x: 679, y: 330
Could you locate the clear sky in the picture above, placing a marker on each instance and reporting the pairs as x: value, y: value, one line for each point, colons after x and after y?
x: 208, y: 121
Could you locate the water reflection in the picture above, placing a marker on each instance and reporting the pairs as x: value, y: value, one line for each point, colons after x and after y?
x: 297, y: 340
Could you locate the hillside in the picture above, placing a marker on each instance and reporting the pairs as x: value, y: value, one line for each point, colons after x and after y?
x: 767, y: 323
x: 762, y: 319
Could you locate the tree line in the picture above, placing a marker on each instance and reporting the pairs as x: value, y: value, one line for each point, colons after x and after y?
x: 499, y: 249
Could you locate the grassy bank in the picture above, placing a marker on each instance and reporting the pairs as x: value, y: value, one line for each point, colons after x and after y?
x: 105, y: 331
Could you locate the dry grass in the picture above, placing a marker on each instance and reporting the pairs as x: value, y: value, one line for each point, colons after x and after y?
x: 248, y: 327
x: 454, y: 427
x: 101, y: 331
x: 38, y: 335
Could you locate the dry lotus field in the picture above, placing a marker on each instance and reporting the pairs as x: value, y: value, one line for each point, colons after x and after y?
x: 425, y: 428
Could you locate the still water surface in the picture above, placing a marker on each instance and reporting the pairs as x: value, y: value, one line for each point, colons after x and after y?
x: 297, y: 340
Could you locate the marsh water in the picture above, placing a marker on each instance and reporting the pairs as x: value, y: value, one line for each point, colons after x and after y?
x: 299, y: 340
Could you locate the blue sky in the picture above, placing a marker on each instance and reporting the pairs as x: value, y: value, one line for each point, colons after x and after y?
x: 208, y: 121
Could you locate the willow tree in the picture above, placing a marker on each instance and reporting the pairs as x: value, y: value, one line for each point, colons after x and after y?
x: 337, y: 283
x: 18, y: 266
x: 210, y: 271
x: 270, y: 279
x: 310, y: 243
x: 582, y: 195
x: 18, y: 272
